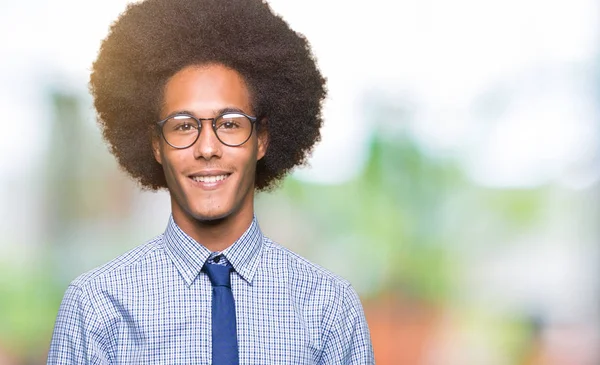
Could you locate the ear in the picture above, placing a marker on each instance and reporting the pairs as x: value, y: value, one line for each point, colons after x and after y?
x: 263, y: 143
x: 156, y: 148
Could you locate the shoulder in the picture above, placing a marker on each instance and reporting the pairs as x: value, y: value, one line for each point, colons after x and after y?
x: 279, y: 255
x: 307, y: 279
x: 121, y: 266
x: 327, y: 301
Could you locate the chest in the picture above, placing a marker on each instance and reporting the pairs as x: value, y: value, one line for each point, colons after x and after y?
x: 172, y: 324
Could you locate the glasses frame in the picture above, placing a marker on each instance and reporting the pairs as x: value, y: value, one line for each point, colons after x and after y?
x: 252, y: 120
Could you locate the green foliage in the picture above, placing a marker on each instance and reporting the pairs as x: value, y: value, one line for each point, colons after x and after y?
x: 411, y: 216
x: 520, y: 208
x: 393, y: 207
x: 29, y: 300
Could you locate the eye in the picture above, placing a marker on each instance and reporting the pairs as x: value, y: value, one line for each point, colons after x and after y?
x: 185, y: 126
x: 229, y: 124
x: 230, y: 121
x: 182, y: 124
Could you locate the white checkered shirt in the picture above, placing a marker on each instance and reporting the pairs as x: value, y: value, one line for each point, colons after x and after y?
x: 152, y: 305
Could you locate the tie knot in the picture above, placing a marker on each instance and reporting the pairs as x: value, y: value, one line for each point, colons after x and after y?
x: 218, y: 274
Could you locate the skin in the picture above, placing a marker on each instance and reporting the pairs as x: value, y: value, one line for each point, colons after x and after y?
x: 214, y: 214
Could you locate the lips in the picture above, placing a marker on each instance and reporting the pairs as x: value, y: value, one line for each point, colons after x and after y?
x: 210, y: 178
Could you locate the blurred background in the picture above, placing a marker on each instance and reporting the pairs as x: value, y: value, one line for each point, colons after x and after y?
x: 456, y: 186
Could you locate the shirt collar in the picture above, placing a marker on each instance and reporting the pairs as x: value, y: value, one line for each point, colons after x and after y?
x: 189, y: 256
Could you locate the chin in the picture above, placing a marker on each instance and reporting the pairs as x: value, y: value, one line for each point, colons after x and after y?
x: 211, y: 221
x: 211, y: 217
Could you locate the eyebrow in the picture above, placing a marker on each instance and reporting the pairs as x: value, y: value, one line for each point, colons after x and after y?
x: 215, y: 112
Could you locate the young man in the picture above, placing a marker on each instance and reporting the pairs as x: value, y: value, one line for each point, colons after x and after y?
x: 212, y: 100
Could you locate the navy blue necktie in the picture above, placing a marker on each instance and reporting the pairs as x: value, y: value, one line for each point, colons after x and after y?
x: 224, y: 337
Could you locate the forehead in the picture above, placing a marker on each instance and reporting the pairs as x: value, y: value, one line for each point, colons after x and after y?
x: 205, y: 89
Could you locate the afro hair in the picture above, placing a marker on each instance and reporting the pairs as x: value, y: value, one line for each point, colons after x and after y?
x: 154, y: 39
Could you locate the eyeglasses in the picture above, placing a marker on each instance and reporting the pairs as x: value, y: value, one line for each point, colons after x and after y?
x: 183, y: 130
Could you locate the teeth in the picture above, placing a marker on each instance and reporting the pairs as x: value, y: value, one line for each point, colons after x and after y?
x: 209, y: 179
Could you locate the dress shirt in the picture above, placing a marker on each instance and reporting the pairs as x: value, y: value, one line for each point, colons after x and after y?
x: 152, y: 305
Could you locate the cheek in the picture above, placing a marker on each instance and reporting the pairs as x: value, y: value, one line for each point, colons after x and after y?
x: 249, y: 158
x: 172, y: 162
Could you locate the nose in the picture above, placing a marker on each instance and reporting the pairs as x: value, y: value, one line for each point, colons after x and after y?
x: 208, y: 145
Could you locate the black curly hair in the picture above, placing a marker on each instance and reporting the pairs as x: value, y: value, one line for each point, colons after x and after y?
x: 154, y: 39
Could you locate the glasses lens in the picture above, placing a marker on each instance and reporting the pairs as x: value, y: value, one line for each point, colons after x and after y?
x: 233, y: 129
x: 180, y: 131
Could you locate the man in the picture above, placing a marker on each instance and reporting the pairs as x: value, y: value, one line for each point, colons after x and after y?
x: 212, y: 100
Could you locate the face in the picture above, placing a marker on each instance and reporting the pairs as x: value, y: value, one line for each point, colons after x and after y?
x: 209, y: 181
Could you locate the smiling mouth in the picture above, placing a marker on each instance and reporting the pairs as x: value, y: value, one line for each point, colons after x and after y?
x: 210, y: 179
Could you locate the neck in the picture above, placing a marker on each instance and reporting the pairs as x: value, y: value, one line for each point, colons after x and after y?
x: 217, y: 234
